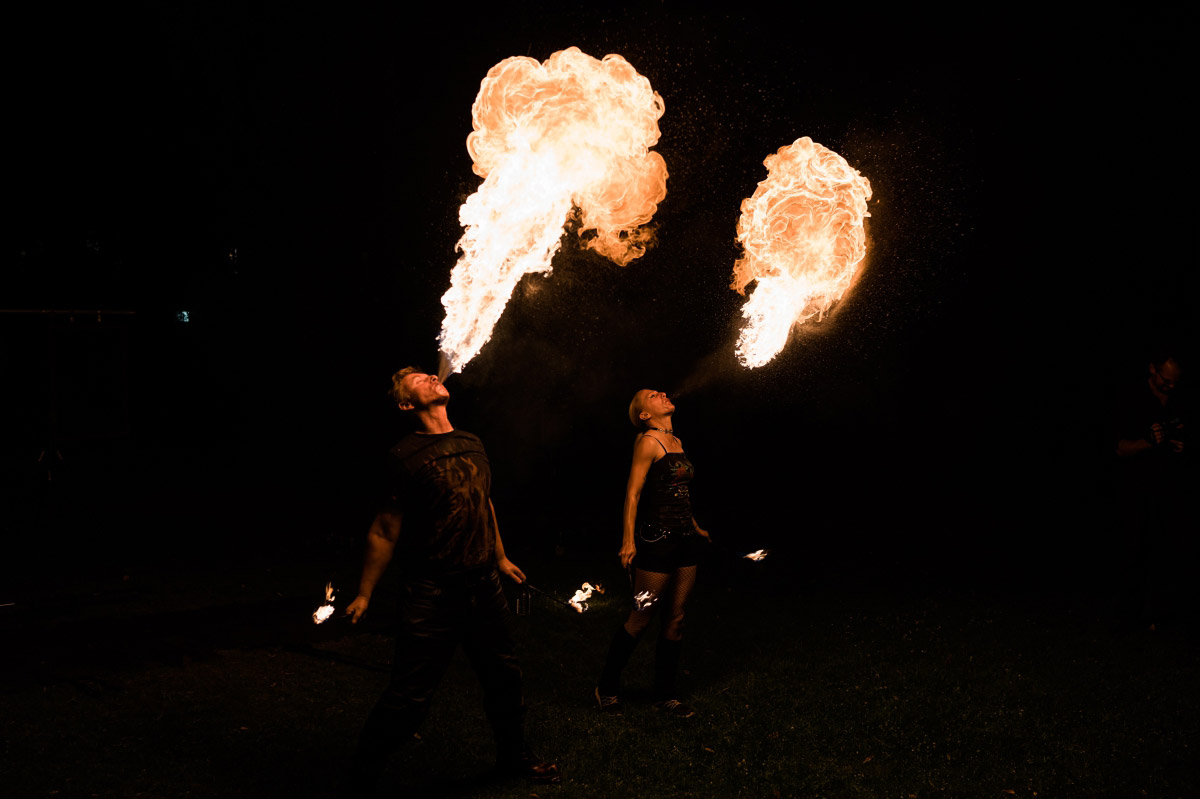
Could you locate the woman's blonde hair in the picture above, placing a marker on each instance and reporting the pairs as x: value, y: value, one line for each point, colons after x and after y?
x: 635, y: 408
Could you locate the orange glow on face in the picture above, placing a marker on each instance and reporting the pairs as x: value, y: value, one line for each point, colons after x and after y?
x: 567, y: 137
x: 803, y: 239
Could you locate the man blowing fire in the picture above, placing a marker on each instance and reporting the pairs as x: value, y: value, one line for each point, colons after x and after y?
x: 440, y: 517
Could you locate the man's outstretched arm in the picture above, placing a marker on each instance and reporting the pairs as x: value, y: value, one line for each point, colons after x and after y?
x: 1127, y: 447
x: 381, y: 544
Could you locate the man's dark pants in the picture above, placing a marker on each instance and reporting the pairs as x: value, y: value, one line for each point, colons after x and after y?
x: 437, y: 614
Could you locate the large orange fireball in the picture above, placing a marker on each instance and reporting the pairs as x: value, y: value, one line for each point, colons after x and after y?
x: 568, y: 136
x: 803, y: 240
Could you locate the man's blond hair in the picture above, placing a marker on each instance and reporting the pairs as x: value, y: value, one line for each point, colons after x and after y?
x: 398, y: 392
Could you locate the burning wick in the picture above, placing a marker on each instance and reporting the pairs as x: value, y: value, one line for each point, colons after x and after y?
x: 325, y: 611
x: 643, y: 600
x: 579, y: 601
x: 757, y: 555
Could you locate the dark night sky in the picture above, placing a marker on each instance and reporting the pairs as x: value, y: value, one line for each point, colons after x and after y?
x: 1028, y: 236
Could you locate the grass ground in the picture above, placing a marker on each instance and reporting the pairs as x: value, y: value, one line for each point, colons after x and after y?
x: 801, y: 690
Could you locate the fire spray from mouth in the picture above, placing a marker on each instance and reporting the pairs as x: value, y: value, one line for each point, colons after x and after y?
x: 803, y: 240
x: 569, y: 137
x: 715, y: 368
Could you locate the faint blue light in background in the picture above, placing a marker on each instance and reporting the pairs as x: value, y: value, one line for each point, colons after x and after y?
x: 182, y: 316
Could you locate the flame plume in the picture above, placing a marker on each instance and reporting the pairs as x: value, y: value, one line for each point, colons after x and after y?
x: 803, y: 239
x: 570, y: 136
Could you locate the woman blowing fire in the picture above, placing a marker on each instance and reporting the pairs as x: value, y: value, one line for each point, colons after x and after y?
x: 664, y: 543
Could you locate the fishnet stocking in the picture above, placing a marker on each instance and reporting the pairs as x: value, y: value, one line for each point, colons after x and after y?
x: 669, y: 594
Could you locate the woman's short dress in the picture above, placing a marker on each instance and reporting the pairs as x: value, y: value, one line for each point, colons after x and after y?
x: 665, y: 534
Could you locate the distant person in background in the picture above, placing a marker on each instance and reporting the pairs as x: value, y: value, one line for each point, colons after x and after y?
x: 439, y: 518
x: 1153, y: 493
x: 663, y: 543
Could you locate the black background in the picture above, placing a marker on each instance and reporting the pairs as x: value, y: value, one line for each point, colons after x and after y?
x: 1029, y: 239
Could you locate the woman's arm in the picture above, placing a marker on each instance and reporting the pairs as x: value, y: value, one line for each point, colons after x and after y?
x: 643, y: 457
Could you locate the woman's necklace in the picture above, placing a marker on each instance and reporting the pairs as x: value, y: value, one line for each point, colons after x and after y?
x: 663, y: 430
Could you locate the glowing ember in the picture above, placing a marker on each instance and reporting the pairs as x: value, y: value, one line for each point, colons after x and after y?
x: 757, y: 554
x: 579, y: 601
x: 568, y: 137
x: 803, y: 240
x: 643, y: 600
x: 325, y: 611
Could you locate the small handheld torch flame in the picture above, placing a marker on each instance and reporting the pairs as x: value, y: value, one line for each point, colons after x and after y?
x: 579, y: 601
x: 803, y: 239
x: 644, y: 600
x: 567, y: 138
x: 325, y: 611
x: 757, y: 555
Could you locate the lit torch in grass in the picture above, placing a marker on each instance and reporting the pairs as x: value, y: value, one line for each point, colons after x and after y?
x: 325, y: 611
x: 579, y: 601
x: 567, y: 138
x: 803, y: 240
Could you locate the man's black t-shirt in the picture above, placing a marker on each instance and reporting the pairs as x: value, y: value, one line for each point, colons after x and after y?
x: 442, y: 483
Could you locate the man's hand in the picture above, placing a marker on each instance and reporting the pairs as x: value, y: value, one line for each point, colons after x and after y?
x: 357, y: 608
x: 701, y: 531
x: 1157, y: 434
x: 510, y: 570
x: 626, y: 554
x: 1176, y: 445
